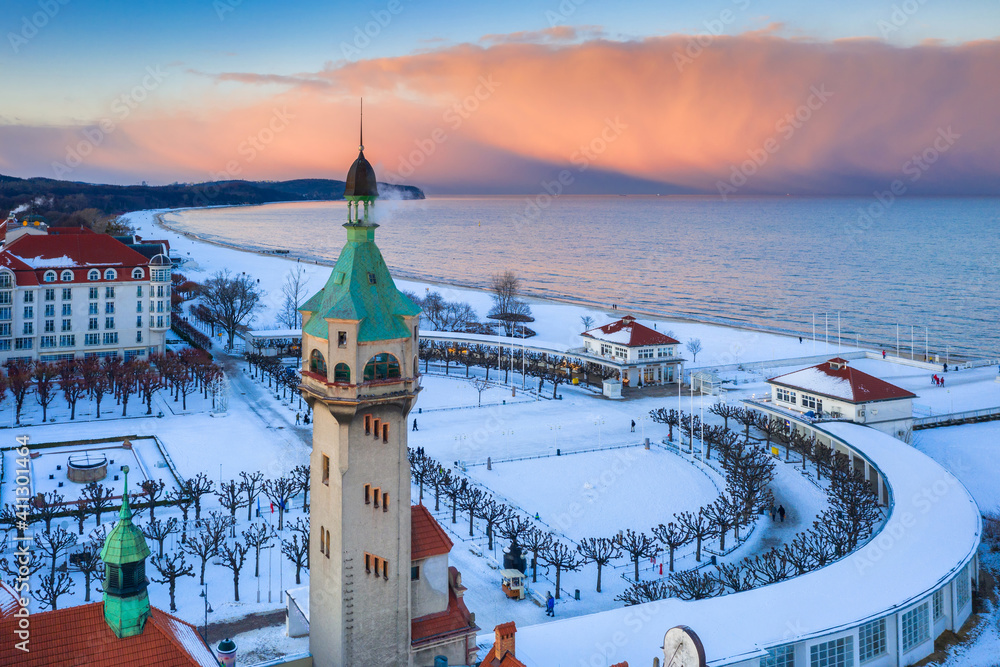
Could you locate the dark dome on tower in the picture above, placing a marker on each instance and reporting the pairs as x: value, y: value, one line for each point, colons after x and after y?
x: 361, y: 178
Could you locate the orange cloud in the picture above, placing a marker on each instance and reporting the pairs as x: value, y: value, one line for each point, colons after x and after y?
x: 687, y: 112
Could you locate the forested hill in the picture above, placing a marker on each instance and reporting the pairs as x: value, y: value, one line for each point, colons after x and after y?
x: 60, y: 201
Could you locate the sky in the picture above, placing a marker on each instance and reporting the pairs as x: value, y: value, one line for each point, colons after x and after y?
x: 725, y: 97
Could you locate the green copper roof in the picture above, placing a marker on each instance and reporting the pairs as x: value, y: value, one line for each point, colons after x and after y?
x: 125, y: 542
x: 361, y: 289
x: 126, y: 616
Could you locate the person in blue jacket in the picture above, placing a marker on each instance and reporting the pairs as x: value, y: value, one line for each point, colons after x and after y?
x: 550, y: 604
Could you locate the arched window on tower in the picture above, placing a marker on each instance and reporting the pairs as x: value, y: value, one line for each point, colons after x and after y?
x: 382, y: 367
x: 317, y: 364
x: 342, y: 373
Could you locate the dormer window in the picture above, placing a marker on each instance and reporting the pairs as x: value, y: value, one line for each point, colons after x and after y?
x: 371, y: 279
x: 93, y: 274
x: 67, y: 276
x: 137, y: 274
x: 110, y: 274
x: 49, y: 277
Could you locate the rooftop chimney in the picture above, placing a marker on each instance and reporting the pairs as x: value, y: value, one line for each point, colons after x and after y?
x: 504, y: 642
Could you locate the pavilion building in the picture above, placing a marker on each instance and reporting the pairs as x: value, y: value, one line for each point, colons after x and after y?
x: 642, y: 356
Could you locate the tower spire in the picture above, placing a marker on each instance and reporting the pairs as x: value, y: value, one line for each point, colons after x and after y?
x: 125, y: 512
x: 361, y: 144
x: 126, y: 602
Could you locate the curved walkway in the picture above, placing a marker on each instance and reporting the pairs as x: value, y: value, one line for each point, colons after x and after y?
x: 931, y: 535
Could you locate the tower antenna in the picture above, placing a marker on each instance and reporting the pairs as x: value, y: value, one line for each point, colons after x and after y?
x: 362, y: 144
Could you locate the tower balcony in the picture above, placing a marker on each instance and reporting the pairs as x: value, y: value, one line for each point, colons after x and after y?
x: 319, y: 386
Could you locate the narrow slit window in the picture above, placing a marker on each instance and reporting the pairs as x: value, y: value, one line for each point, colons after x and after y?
x: 322, y: 540
x: 385, y: 569
x: 368, y: 424
x: 377, y: 426
x: 378, y: 492
x: 368, y: 563
x: 385, y: 433
x: 328, y: 544
x: 326, y: 470
x: 341, y: 339
x: 368, y: 494
x: 378, y: 563
x: 385, y: 502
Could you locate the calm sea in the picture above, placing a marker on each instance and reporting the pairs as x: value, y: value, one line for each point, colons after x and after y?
x: 766, y: 262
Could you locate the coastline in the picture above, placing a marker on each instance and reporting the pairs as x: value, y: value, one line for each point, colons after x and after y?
x: 530, y: 294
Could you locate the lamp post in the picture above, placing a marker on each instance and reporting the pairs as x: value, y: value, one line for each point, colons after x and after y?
x: 208, y: 608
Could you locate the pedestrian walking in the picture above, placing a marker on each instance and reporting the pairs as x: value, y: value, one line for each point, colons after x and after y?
x: 781, y: 513
x: 415, y: 425
x: 942, y: 380
x: 298, y: 418
x: 550, y: 604
x: 774, y: 512
x: 883, y: 354
x: 800, y: 340
x: 633, y: 426
x: 934, y: 379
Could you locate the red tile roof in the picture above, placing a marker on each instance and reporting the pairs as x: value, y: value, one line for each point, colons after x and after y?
x: 78, y: 637
x: 31, y: 255
x: 504, y: 634
x: 452, y: 622
x: 427, y: 537
x: 630, y: 333
x: 836, y: 379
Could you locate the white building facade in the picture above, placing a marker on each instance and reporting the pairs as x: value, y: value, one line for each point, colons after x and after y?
x: 71, y: 294
x: 644, y: 356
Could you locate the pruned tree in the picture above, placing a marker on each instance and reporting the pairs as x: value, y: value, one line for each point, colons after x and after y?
x: 693, y: 585
x: 587, y: 322
x: 735, y: 576
x: 769, y: 567
x: 296, y: 550
x: 471, y: 500
x: 99, y: 497
x: 673, y: 536
x: 854, y: 506
x: 147, y: 381
x: 159, y: 531
x: 231, y: 497
x: 637, y: 545
x: 19, y: 383
x: 514, y: 527
x: 279, y: 491
x: 598, y: 550
x: 250, y: 484
x: 80, y: 509
x: 439, y: 480
x: 505, y: 288
x: 258, y: 537
x: 232, y: 300
x: 233, y: 555
x: 89, y: 562
x: 670, y: 418
x: 153, y: 489
x: 301, y: 474
x: 45, y: 375
x: 698, y: 526
x: 21, y: 568
x: 725, y: 411
x: 641, y: 592
x: 747, y: 418
x: 182, y: 499
x: 537, y: 542
x: 454, y: 489
x: 196, y: 487
x: 479, y: 385
x: 563, y: 559
x: 171, y: 568
x: 694, y: 347
x: 47, y: 505
x: 54, y: 543
x: 204, y: 545
x: 724, y: 512
x: 51, y: 587
x: 492, y: 512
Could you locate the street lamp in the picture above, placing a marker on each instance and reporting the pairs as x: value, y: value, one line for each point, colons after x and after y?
x: 208, y: 608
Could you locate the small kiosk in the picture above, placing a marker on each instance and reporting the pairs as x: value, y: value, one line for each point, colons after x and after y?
x: 513, y: 584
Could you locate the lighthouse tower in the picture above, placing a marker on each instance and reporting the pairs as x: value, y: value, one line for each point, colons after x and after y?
x: 360, y: 377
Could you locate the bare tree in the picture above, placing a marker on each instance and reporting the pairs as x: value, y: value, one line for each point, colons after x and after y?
x: 89, y: 562
x: 279, y: 491
x: 184, y: 501
x: 698, y: 526
x: 480, y: 385
x: 599, y: 550
x: 296, y: 550
x: 641, y: 592
x: 723, y: 513
x: 159, y: 531
x: 80, y: 511
x: 769, y: 567
x: 587, y: 321
x: 19, y: 383
x: 153, y: 488
x: 674, y: 535
x: 21, y: 568
x: 258, y: 537
x: 734, y: 576
x: 514, y: 527
x: 537, y: 542
x: 196, y: 487
x: 564, y: 559
x: 693, y: 585
x: 506, y: 290
x: 670, y: 418
x: 45, y: 386
x: 637, y: 545
x: 492, y: 512
x: 724, y: 410
x: 99, y: 498
x: 51, y: 587
x: 471, y: 500
x: 172, y: 568
x: 231, y: 497
x: 293, y: 293
x: 204, y: 545
x: 694, y: 347
x: 854, y: 506
x: 54, y: 543
x: 233, y: 555
x: 47, y: 505
x: 301, y: 474
x: 250, y: 484
x: 232, y: 300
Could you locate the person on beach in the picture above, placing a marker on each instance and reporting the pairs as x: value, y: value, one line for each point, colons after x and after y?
x: 781, y: 513
x: 883, y: 354
x: 550, y: 604
x: 934, y: 379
